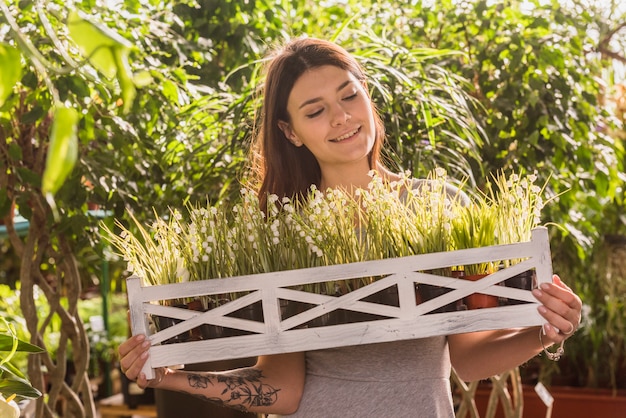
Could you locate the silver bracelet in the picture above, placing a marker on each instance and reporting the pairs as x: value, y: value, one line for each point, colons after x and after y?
x: 556, y: 356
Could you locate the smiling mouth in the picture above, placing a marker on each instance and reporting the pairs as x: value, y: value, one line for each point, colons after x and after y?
x: 346, y: 136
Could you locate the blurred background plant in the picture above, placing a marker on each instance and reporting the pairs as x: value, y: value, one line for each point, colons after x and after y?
x: 473, y: 86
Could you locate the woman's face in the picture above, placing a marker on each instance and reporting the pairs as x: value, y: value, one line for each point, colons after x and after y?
x: 331, y: 115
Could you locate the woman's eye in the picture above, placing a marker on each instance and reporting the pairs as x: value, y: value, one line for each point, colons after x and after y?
x: 352, y: 96
x: 314, y: 114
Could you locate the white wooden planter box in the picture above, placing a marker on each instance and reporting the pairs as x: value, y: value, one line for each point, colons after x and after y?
x: 273, y: 334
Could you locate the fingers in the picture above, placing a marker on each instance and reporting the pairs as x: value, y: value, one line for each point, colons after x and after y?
x: 560, y: 307
x: 562, y: 292
x: 133, y: 355
x: 130, y: 344
x: 142, y: 382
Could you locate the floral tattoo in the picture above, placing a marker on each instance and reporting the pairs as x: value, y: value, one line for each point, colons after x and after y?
x: 245, y: 387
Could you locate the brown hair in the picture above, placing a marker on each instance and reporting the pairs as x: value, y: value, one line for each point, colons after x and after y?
x: 279, y: 167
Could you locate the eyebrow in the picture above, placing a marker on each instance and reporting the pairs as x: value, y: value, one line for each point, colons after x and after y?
x: 317, y: 99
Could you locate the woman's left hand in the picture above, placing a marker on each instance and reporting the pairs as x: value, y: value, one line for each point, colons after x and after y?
x: 561, y: 307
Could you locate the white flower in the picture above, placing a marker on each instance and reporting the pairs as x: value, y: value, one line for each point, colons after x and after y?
x: 181, y: 272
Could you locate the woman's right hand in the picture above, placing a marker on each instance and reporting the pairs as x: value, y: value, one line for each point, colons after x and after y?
x: 133, y: 355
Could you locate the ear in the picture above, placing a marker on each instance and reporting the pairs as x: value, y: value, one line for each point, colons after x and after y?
x: 289, y: 133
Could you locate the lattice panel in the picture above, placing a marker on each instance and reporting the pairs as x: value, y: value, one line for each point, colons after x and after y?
x: 290, y: 319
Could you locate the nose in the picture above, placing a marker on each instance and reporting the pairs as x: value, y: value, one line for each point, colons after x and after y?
x: 339, y: 115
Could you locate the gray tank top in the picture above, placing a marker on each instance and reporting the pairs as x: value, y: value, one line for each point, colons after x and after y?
x: 399, y: 379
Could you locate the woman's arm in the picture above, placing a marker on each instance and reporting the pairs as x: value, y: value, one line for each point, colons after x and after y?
x: 273, y: 385
x: 479, y: 355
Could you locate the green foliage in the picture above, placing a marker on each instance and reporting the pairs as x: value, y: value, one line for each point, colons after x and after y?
x: 539, y: 87
x: 12, y: 380
x: 10, y: 69
x: 62, y: 151
x: 11, y: 311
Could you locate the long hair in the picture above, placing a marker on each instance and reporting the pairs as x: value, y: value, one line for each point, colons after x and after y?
x: 279, y: 167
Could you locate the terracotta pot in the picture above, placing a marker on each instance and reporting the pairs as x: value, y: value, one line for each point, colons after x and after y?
x: 569, y: 402
x: 479, y: 300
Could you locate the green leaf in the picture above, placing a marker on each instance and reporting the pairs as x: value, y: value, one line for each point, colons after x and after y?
x: 8, y: 369
x: 97, y: 42
x: 5, y: 203
x: 142, y: 79
x: 170, y: 91
x: 28, y: 177
x: 63, y: 149
x: 125, y: 77
x: 33, y: 115
x: 6, y: 343
x: 15, y: 152
x: 20, y: 387
x: 10, y: 70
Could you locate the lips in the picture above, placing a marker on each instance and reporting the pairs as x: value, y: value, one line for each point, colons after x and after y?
x: 346, y: 135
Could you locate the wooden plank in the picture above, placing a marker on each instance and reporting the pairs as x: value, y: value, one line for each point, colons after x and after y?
x: 346, y: 335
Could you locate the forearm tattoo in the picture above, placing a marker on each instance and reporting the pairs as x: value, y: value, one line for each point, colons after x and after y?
x: 245, y: 387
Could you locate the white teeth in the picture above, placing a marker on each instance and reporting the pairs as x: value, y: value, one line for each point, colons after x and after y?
x: 348, y: 135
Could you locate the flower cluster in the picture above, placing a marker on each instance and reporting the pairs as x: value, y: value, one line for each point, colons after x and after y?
x: 334, y: 226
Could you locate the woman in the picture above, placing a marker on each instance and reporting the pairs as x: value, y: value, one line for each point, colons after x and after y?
x: 320, y: 127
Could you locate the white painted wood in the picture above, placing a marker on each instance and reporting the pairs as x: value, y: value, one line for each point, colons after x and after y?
x: 273, y: 335
x: 346, y: 335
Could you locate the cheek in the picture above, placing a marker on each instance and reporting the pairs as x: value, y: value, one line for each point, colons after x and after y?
x: 365, y: 108
x: 310, y: 128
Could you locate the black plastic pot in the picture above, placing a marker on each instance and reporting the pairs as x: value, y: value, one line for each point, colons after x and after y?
x: 525, y: 281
